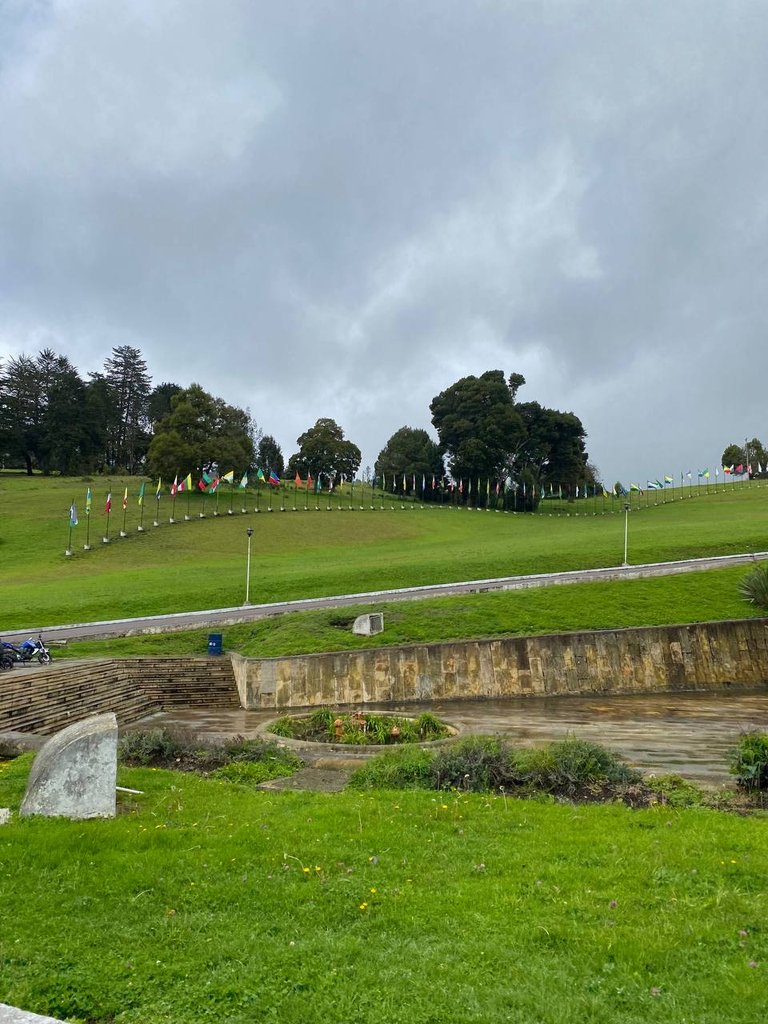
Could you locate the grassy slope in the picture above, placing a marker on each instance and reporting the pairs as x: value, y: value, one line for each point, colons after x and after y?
x: 415, y: 908
x: 695, y: 597
x: 201, y: 564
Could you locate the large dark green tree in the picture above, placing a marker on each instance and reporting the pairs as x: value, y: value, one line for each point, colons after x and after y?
x: 479, y: 428
x: 128, y: 381
x: 159, y: 402
x: 409, y: 452
x: 269, y: 455
x: 199, y: 433
x: 751, y: 453
x: 44, y: 416
x: 325, y: 453
x: 488, y: 435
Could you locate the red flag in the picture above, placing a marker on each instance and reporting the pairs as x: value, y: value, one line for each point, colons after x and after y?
x: 298, y: 481
x: 108, y: 504
x: 309, y: 481
x: 174, y: 486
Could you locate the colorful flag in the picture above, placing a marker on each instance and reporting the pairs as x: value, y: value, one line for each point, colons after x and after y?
x: 727, y: 470
x: 72, y: 514
x: 243, y: 482
x: 309, y: 481
x: 433, y: 481
x: 668, y: 480
x: 159, y: 489
x: 125, y: 499
x: 634, y: 487
x: 461, y: 486
x: 88, y: 499
x: 704, y: 474
x: 204, y: 481
x: 739, y: 468
x: 229, y: 477
x: 274, y: 479
x: 260, y: 476
x: 174, y: 486
x: 141, y: 494
x: 717, y: 471
x: 298, y: 482
x: 108, y: 504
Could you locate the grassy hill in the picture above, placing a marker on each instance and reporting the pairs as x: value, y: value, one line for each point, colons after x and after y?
x: 201, y: 563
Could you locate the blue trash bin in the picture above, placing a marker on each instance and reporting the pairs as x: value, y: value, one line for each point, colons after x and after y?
x: 214, y: 643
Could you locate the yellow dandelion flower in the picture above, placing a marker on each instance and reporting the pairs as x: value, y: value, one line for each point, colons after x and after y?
x: 363, y: 906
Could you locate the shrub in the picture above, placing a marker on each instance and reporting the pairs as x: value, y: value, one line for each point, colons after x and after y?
x: 182, y: 750
x: 570, y: 766
x: 404, y: 768
x: 156, y: 746
x: 476, y: 763
x: 749, y: 762
x: 754, y: 586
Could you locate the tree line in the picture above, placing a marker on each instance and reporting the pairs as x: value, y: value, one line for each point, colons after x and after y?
x: 54, y: 421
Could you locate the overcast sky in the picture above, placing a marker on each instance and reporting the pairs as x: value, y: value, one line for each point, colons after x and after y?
x: 338, y: 208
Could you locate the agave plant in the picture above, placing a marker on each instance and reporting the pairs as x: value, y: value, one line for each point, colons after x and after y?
x: 754, y: 586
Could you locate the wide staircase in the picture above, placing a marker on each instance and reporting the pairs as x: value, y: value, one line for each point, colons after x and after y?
x: 42, y: 699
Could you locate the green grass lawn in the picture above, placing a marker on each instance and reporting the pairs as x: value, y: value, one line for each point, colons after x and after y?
x: 693, y: 597
x: 205, y: 901
x: 201, y: 563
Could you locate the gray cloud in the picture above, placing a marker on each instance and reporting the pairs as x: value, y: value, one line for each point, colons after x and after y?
x: 338, y: 209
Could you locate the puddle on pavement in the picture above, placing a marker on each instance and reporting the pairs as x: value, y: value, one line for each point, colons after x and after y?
x: 689, y: 733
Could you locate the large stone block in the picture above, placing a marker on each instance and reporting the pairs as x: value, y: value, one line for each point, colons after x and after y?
x: 75, y: 773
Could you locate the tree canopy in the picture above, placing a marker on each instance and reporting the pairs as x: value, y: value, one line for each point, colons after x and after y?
x: 325, y: 453
x: 200, y: 432
x: 409, y: 452
x: 486, y: 433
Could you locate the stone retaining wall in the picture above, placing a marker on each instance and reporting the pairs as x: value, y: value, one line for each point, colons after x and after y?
x: 704, y: 656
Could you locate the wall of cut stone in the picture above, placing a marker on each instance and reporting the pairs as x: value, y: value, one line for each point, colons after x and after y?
x: 704, y: 656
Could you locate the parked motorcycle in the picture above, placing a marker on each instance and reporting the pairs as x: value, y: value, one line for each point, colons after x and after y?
x: 6, y: 661
x: 30, y: 650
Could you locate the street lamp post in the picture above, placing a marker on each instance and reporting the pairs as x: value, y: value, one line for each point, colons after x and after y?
x: 249, y: 531
x: 626, y: 531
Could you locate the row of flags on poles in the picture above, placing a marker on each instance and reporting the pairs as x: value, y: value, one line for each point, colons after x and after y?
x: 210, y: 483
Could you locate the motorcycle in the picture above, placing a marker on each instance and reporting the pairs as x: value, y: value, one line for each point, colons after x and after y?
x: 30, y: 650
x: 6, y: 661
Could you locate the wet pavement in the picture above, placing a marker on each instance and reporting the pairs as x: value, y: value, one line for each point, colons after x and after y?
x: 689, y: 733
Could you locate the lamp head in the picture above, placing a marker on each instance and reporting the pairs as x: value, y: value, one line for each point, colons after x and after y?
x: 249, y: 531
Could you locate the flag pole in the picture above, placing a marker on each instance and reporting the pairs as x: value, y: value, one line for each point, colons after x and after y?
x: 87, y: 545
x: 68, y: 552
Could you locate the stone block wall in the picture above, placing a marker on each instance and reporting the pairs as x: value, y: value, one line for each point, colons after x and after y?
x: 653, y: 659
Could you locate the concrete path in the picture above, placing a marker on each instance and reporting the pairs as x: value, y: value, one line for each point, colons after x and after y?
x: 217, y: 617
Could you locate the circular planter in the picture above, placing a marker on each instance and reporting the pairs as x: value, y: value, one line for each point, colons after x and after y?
x: 351, y: 748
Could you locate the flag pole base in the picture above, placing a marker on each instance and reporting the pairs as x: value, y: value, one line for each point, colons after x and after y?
x: 230, y: 512
x: 86, y: 547
x: 105, y: 540
x: 155, y: 523
x: 215, y: 514
x: 140, y: 529
x: 171, y: 520
x: 243, y: 511
x: 201, y: 515
x: 68, y: 552
x: 187, y: 518
x: 123, y: 533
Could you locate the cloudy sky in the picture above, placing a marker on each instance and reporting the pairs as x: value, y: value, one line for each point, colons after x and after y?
x: 338, y: 208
